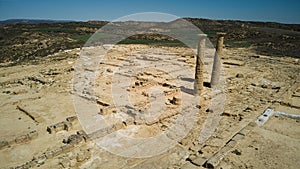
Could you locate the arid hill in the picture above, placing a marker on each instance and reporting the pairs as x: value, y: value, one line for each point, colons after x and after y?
x: 20, y: 42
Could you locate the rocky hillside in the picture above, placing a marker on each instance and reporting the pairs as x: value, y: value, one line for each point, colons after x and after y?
x: 267, y: 37
x: 21, y: 42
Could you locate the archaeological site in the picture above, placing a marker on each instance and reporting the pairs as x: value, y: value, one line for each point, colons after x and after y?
x: 186, y: 94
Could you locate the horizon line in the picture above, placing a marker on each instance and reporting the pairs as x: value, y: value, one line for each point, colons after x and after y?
x: 89, y: 20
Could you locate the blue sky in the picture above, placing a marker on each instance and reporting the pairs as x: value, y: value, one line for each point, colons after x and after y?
x: 285, y: 11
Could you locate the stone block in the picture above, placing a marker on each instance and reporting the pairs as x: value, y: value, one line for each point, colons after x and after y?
x: 238, y: 137
x: 33, y: 134
x: 67, y: 126
x: 216, y: 158
x: 118, y: 126
x: 22, y: 139
x: 57, y: 151
x: 83, y: 135
x: 49, y: 154
x: 66, y: 148
x: 59, y: 126
x: 108, y: 110
x: 64, y: 125
x: 50, y: 129
x: 199, y: 161
x: 41, y: 159
x: 246, y: 130
x: 73, y: 139
x: 29, y: 164
x: 72, y: 119
x: 99, y: 133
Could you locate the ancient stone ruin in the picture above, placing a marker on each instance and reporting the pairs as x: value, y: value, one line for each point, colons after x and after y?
x: 262, y: 105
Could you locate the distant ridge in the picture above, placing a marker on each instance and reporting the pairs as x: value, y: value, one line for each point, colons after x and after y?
x: 31, y: 21
x: 202, y: 20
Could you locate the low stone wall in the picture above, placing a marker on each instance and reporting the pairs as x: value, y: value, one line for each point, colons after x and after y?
x: 64, y: 125
x: 19, y: 139
x: 70, y: 143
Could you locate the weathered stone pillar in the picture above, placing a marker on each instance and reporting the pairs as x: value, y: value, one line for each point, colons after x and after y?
x: 198, y: 85
x: 215, y: 76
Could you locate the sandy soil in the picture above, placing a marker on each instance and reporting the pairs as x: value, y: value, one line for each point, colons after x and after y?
x: 37, y: 95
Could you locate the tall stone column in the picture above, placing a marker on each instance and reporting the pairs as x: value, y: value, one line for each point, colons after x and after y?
x: 215, y: 76
x: 198, y: 85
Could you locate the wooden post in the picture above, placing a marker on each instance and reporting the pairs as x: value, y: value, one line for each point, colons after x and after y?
x: 198, y: 85
x: 215, y: 76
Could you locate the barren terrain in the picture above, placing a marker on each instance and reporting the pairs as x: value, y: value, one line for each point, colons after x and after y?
x: 36, y: 96
x: 55, y: 113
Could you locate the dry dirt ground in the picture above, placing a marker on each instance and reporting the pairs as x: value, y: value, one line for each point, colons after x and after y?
x: 40, y: 127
